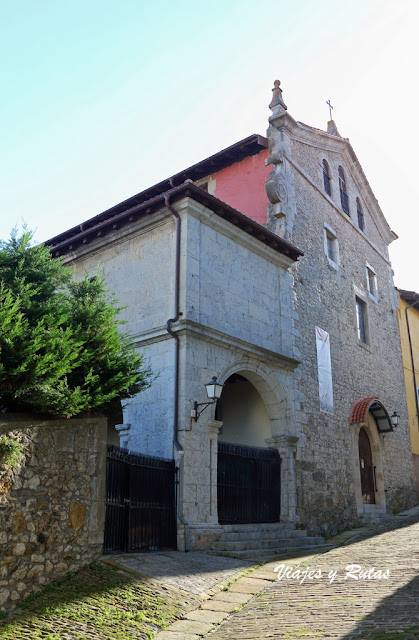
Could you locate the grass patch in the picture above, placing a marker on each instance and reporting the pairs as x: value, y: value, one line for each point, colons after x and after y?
x: 97, y: 602
x: 243, y: 575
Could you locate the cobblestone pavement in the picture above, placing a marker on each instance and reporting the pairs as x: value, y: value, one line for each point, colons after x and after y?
x: 344, y: 609
x: 195, y: 572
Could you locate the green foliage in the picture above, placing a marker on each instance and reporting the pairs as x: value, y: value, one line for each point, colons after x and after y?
x: 10, y: 452
x: 61, y: 352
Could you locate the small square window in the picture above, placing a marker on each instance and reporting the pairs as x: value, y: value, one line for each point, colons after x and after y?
x: 361, y: 320
x: 331, y: 246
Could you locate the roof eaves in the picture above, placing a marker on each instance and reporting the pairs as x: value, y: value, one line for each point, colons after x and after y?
x: 408, y: 296
x: 60, y: 246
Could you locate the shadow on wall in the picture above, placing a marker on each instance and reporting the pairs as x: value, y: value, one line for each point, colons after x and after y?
x: 112, y: 434
x: 243, y: 413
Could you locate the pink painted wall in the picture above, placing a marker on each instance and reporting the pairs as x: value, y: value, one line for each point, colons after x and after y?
x: 242, y: 186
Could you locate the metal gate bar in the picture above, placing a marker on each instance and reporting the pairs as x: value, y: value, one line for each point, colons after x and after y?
x: 140, y: 502
x: 249, y: 484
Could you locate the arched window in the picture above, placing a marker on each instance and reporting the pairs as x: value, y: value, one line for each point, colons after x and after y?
x: 326, y: 178
x: 343, y: 192
x: 359, y: 214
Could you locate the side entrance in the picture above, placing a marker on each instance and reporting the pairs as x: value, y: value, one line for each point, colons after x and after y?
x: 140, y: 502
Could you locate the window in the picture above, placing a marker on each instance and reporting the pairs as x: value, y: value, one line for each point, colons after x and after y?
x: 361, y: 319
x: 359, y: 214
x: 343, y: 191
x: 326, y: 178
x: 331, y: 246
x: 372, y: 283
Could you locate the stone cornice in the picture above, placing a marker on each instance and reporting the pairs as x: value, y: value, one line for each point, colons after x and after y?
x: 117, y: 237
x: 220, y: 338
x: 186, y: 206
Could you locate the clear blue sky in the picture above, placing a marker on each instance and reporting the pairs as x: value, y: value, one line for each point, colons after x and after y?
x: 103, y: 99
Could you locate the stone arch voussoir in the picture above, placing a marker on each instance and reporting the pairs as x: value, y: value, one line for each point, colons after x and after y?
x: 272, y: 393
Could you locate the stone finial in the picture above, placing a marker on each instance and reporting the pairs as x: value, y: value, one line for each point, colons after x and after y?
x: 332, y: 128
x: 277, y: 104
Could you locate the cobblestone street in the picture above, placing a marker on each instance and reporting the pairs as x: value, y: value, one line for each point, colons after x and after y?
x: 345, y: 609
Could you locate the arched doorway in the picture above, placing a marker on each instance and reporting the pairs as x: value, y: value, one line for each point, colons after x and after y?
x: 370, y: 422
x: 249, y: 473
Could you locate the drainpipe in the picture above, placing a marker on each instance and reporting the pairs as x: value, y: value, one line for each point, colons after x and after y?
x: 411, y: 355
x: 174, y: 335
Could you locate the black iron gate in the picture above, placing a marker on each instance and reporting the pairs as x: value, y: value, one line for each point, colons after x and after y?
x: 140, y: 502
x: 249, y: 484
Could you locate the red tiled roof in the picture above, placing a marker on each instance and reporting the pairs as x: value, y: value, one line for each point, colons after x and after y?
x: 360, y: 409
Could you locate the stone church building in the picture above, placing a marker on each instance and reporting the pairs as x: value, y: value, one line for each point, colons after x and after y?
x: 265, y: 265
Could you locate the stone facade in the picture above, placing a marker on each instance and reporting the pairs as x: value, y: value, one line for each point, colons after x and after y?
x: 325, y: 292
x: 235, y: 297
x: 52, y: 505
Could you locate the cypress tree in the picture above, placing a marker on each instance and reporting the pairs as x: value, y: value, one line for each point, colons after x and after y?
x: 62, y: 352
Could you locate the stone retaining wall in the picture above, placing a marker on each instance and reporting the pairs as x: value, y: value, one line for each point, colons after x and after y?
x: 52, y: 506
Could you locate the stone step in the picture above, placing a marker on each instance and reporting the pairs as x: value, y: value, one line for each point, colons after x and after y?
x: 258, y: 526
x: 271, y: 534
x: 264, y: 554
x: 372, y: 518
x: 278, y: 543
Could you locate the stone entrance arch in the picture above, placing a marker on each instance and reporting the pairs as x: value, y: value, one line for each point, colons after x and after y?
x: 273, y: 396
x: 242, y: 411
x: 368, y: 427
x: 277, y: 426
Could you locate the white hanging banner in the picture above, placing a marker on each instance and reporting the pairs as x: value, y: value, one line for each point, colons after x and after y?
x: 324, y: 366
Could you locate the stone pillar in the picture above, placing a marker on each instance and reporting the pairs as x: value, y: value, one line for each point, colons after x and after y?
x: 124, y: 435
x: 287, y: 447
x: 214, y: 428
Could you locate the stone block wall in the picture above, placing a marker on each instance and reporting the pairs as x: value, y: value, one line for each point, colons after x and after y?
x: 52, y: 506
x: 325, y: 297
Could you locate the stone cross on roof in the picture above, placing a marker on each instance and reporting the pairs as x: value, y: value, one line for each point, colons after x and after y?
x: 331, y: 125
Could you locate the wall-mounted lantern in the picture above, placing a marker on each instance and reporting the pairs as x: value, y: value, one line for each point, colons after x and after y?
x: 395, y: 419
x: 214, y: 390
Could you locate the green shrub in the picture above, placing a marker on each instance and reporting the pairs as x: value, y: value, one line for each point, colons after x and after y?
x: 11, y: 452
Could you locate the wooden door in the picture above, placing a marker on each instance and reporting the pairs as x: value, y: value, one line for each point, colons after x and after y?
x: 366, y: 468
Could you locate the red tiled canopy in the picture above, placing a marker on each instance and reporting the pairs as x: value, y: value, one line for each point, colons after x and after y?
x: 360, y: 409
x: 378, y: 411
